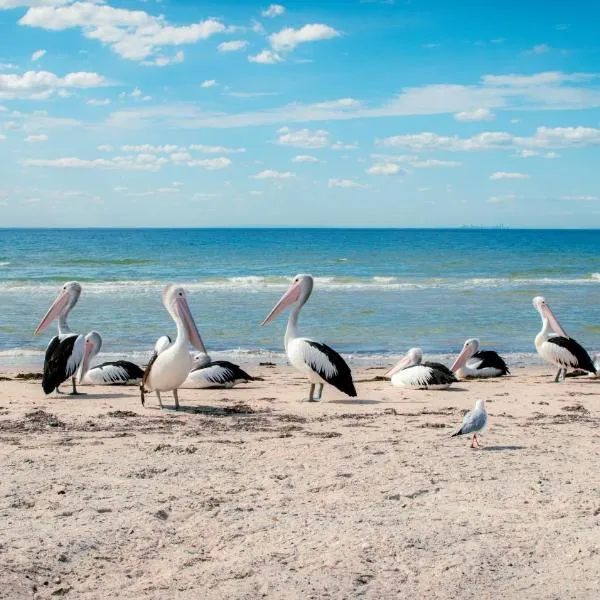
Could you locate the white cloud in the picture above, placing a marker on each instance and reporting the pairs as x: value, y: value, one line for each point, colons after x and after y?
x: 163, y: 61
x: 132, y: 34
x: 257, y: 27
x: 433, y: 162
x: 580, y: 198
x: 525, y: 153
x: 303, y: 138
x: 561, y: 137
x: 39, y: 85
x: 208, y: 83
x: 289, y: 38
x: 104, y: 148
x: 215, y: 149
x: 270, y: 174
x: 180, y: 157
x: 274, y: 10
x: 120, y: 188
x: 500, y: 199
x: 98, y: 102
x: 232, y: 46
x: 551, y: 155
x: 432, y: 141
x: 212, y: 164
x: 384, y: 169
x: 266, y: 57
x: 505, y: 175
x: 342, y: 146
x: 136, y: 92
x: 256, y: 192
x: 305, y: 158
x: 479, y: 114
x: 537, y: 79
x: 539, y: 49
x: 150, y: 149
x: 37, y: 55
x: 42, y: 137
x: 168, y: 190
x: 8, y: 66
x: 345, y: 183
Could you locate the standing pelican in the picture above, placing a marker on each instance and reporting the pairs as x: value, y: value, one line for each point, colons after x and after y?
x: 556, y: 347
x: 206, y: 373
x: 65, y: 350
x: 475, y: 421
x: 472, y: 362
x: 411, y: 373
x: 321, y: 363
x: 171, y: 362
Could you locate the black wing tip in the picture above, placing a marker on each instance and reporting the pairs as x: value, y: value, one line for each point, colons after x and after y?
x: 459, y: 432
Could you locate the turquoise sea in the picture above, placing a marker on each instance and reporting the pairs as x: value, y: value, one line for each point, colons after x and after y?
x: 377, y: 292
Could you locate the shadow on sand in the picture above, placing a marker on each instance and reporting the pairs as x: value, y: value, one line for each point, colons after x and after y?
x: 354, y: 401
x: 501, y: 448
x: 204, y: 410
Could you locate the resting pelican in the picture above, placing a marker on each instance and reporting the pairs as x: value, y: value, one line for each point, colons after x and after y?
x: 65, y: 350
x: 171, y: 362
x: 411, y: 373
x: 475, y: 421
x: 472, y: 362
x: 206, y: 373
x: 318, y: 361
x: 118, y: 372
x: 556, y: 347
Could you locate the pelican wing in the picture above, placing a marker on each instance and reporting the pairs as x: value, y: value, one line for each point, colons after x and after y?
x: 117, y: 372
x: 62, y: 362
x: 571, y: 353
x: 442, y: 369
x: 488, y: 359
x: 329, y: 365
x: 219, y: 373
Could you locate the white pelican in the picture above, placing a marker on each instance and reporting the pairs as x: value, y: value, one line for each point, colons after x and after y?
x: 318, y: 361
x: 206, y: 373
x: 169, y: 366
x: 472, y: 362
x: 118, y: 372
x: 411, y: 373
x: 475, y: 421
x: 556, y: 347
x: 65, y: 350
x: 596, y: 359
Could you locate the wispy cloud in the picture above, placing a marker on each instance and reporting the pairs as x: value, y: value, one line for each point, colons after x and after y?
x: 271, y: 174
x: 346, y: 184
x: 274, y: 10
x: 507, y: 175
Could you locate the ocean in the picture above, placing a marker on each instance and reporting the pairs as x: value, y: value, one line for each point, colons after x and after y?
x: 377, y: 292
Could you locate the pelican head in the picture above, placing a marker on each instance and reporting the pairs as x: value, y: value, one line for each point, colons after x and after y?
x: 175, y: 302
x: 92, y: 345
x: 200, y: 360
x: 65, y: 301
x: 412, y: 358
x: 298, y: 292
x: 469, y: 348
x: 539, y: 303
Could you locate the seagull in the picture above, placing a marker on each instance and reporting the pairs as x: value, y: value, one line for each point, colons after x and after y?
x: 475, y: 421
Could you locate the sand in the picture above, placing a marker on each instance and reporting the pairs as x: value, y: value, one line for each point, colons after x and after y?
x: 257, y: 495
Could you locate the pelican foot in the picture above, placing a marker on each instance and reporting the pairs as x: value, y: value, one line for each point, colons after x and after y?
x: 76, y: 393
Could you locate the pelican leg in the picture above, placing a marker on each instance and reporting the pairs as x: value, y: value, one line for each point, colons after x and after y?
x: 75, y: 392
x: 319, y: 391
x: 58, y: 391
x: 311, y: 393
x: 556, y: 379
x: 176, y: 397
x: 159, y: 400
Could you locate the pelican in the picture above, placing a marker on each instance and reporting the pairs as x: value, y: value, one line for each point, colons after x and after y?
x: 556, y: 347
x: 206, y: 373
x: 318, y: 361
x: 65, y: 350
x: 596, y: 359
x: 472, y: 362
x: 171, y: 362
x: 475, y: 421
x: 411, y: 373
x: 118, y: 372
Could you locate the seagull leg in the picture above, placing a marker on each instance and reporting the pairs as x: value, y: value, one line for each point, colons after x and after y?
x: 474, y: 443
x: 159, y: 400
x: 176, y: 397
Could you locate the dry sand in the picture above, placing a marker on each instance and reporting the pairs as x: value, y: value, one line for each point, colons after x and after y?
x: 257, y: 495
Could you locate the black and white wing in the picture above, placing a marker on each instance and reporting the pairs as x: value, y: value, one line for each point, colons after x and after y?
x: 328, y: 365
x: 62, y: 362
x: 570, y: 353
x: 219, y: 373
x: 114, y: 373
x: 488, y: 359
x: 441, y: 368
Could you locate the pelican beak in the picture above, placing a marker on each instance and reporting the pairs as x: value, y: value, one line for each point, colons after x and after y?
x: 183, y: 310
x: 287, y: 299
x: 399, y: 366
x: 556, y: 326
x: 462, y: 359
x: 61, y: 302
x: 88, y: 351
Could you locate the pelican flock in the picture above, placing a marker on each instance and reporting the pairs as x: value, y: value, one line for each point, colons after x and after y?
x: 320, y: 363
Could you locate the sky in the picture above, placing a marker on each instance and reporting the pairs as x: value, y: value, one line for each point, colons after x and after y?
x: 348, y: 113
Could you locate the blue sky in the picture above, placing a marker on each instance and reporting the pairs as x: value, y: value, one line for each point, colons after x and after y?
x: 306, y: 113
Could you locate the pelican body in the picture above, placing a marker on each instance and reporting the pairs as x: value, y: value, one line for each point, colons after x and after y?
x: 64, y: 353
x: 475, y: 421
x: 171, y: 362
x: 482, y: 364
x: 206, y: 373
x: 556, y: 347
x: 410, y: 372
x: 118, y: 372
x: 320, y: 363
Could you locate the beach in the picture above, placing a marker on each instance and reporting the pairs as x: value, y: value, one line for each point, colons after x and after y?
x: 248, y: 493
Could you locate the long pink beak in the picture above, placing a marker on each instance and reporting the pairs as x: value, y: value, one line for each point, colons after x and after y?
x: 402, y: 364
x: 185, y: 315
x: 85, y: 363
x: 61, y: 302
x: 462, y: 359
x: 287, y: 299
x: 556, y: 326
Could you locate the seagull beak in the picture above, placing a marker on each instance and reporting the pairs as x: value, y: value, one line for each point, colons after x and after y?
x: 287, y: 299
x: 61, y: 302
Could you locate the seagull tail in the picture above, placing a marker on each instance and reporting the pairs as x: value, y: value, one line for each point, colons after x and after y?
x: 459, y: 432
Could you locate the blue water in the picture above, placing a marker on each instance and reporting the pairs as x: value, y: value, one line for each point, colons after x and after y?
x: 377, y: 292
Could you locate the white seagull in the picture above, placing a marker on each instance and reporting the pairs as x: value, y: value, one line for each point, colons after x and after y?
x: 475, y: 421
x: 318, y: 361
x: 472, y: 362
x: 556, y: 347
x: 410, y: 372
x: 171, y: 362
